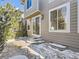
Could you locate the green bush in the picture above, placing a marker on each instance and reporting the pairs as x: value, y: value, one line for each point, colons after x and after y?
x: 12, y: 16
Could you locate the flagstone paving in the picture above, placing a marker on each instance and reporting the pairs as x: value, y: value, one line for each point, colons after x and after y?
x: 10, y: 50
x: 33, y: 50
x: 19, y: 57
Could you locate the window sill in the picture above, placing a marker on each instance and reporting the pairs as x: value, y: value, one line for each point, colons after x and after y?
x: 60, y: 31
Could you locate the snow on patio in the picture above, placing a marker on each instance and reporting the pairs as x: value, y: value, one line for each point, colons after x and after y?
x: 36, y: 49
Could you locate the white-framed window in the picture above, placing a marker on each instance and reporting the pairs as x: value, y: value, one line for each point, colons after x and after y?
x: 78, y: 16
x: 29, y: 3
x: 59, y: 18
x: 36, y: 21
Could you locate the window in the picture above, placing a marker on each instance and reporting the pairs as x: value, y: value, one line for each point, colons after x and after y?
x: 29, y: 3
x: 78, y: 16
x: 59, y: 19
x: 36, y: 25
x: 28, y: 24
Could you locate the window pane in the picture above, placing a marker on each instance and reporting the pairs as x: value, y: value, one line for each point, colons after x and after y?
x: 28, y: 24
x: 29, y: 3
x: 61, y: 18
x: 53, y: 20
x: 36, y: 26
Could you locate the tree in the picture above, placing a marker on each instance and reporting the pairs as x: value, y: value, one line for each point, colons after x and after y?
x: 11, y: 21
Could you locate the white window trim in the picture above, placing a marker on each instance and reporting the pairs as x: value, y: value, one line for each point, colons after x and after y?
x: 67, y: 21
x: 78, y: 16
x: 40, y: 25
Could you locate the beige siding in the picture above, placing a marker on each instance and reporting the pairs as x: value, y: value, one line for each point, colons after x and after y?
x: 70, y: 39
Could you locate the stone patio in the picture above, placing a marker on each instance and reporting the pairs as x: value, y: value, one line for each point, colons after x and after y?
x: 11, y: 50
x: 34, y: 49
x: 19, y: 57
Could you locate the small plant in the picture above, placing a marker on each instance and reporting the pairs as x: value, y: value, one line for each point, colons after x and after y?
x: 18, y: 46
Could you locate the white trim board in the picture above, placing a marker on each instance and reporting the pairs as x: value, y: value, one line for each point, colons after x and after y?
x: 40, y: 25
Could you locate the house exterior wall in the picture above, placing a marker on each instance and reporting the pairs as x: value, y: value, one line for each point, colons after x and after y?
x: 34, y: 8
x: 71, y: 38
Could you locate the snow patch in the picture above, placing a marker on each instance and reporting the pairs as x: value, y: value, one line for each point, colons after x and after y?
x: 58, y: 45
x: 19, y: 57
